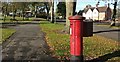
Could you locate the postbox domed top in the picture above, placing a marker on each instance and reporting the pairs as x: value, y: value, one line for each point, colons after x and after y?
x: 76, y: 17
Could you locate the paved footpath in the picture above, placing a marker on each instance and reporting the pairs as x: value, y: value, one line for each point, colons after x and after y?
x: 26, y: 44
x: 107, y: 32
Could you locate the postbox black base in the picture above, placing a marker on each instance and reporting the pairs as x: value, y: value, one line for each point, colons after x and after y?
x: 77, y: 59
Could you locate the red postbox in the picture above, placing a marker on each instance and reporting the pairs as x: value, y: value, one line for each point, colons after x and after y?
x: 76, y: 37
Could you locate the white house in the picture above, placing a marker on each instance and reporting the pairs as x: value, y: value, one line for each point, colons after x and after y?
x: 98, y: 13
x: 89, y: 14
x: 95, y: 14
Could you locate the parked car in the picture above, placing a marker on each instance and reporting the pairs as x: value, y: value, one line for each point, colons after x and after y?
x: 11, y: 14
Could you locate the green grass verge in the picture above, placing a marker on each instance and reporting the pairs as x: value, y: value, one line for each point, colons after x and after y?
x: 59, y: 42
x: 94, y: 47
x: 97, y: 46
x: 5, y: 33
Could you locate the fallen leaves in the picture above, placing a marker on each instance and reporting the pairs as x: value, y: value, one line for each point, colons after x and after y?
x: 98, y: 46
x: 93, y: 46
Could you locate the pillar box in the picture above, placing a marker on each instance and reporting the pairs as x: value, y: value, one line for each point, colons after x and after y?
x: 76, y: 38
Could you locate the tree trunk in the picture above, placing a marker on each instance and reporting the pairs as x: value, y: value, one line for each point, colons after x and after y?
x: 23, y: 15
x: 14, y: 15
x: 4, y: 17
x: 70, y: 11
x: 47, y: 8
x: 114, y: 14
x: 52, y: 12
x: 48, y: 15
x: 23, y: 11
x: 35, y: 11
x: 5, y: 14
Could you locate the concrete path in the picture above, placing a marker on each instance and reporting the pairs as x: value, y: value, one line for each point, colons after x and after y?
x: 107, y: 32
x: 27, y: 43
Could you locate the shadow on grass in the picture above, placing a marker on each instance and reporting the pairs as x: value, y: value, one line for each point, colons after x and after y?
x: 105, y: 57
x: 115, y: 30
x: 61, y: 20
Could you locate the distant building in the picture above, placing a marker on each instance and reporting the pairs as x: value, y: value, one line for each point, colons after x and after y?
x: 88, y: 13
x: 98, y: 13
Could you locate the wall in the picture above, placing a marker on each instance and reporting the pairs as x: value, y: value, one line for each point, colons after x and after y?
x: 89, y: 14
x: 95, y: 15
x: 102, y: 16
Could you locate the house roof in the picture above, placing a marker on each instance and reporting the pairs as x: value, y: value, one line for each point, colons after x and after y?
x: 92, y: 8
x: 86, y: 9
x: 102, y: 9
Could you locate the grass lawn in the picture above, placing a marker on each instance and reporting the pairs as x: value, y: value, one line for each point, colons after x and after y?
x: 94, y: 47
x: 5, y: 33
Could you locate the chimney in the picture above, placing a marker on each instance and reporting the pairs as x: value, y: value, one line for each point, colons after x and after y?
x: 97, y: 4
x: 108, y: 5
